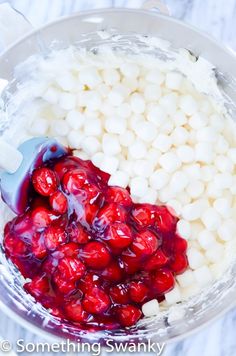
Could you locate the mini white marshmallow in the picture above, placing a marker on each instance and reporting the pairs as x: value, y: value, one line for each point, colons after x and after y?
x: 92, y: 127
x: 178, y: 181
x: 146, y: 131
x: 75, y: 119
x: 116, y: 125
x: 179, y: 118
x: 66, y: 81
x: 173, y: 80
x: 109, y: 164
x: 195, y: 258
x: 52, y: 95
x: 97, y: 158
x: 169, y: 162
x: 151, y: 308
x: 137, y: 103
x: 169, y: 103
x: 130, y: 70
x: 211, y: 219
x: 39, y: 127
x: 67, y: 101
x: 75, y: 138
x: 204, y: 152
x: 159, y: 179
x: 155, y: 76
x: 184, y: 228
x: 59, y: 127
x: 174, y: 296
x: 206, y: 239
x: 10, y: 157
x: 185, y: 153
x: 89, y: 76
x: 110, y: 76
x: 186, y: 279
x: 156, y: 115
x: 143, y: 168
x: 124, y: 110
x: 138, y: 149
x: 138, y: 186
x: 120, y: 179
x: 127, y: 138
x: 224, y: 164
x: 223, y: 207
x: 110, y: 144
x: 198, y: 121
x: 152, y: 92
x: 188, y: 104
x: 215, y: 253
x: 162, y: 142
x: 227, y: 230
x: 90, y: 145
x: 192, y: 211
x: 195, y: 188
x: 179, y: 136
x: 203, y: 276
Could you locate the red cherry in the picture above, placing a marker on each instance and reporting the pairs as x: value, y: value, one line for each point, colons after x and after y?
x: 128, y: 315
x: 64, y: 286
x: 92, y: 192
x: 120, y: 294
x: 88, y: 282
x: 14, y: 246
x: 119, y: 196
x: 130, y: 262
x: 138, y: 292
x: 165, y: 221
x: 112, y: 272
x: 38, y: 287
x: 180, y: 244
x: 23, y: 227
x: 49, y: 266
x: 145, y: 243
x: 71, y: 249
x: 119, y: 235
x: 109, y: 214
x: 96, y: 255
x: 159, y: 259
x: 179, y: 263
x: 78, y: 234
x: 41, y: 217
x: 75, y: 312
x: 58, y: 202
x: 143, y: 215
x: 89, y: 213
x: 96, y: 301
x: 64, y: 165
x: 54, y: 236
x: 162, y: 281
x: 38, y: 246
x: 44, y: 181
x: 71, y: 268
x: 74, y: 180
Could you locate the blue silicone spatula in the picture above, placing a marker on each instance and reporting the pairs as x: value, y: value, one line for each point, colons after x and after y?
x: 18, y: 164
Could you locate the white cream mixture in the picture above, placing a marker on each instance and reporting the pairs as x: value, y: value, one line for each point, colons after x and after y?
x: 157, y: 126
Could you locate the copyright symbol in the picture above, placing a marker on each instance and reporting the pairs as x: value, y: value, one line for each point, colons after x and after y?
x: 5, y: 346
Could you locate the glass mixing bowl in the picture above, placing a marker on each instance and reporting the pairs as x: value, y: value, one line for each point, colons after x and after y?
x: 81, y: 30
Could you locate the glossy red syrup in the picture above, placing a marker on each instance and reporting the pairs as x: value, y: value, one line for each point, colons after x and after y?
x: 94, y: 256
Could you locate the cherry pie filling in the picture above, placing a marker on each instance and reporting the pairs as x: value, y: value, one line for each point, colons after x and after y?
x: 94, y: 257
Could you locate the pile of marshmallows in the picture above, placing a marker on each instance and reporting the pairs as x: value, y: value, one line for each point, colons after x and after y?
x: 154, y: 132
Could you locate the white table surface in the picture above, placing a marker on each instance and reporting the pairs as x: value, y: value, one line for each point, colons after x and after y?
x: 217, y: 17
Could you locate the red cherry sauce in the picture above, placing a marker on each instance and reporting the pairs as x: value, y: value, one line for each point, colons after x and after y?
x: 93, y: 255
